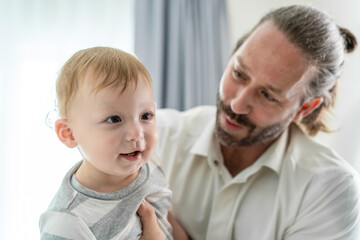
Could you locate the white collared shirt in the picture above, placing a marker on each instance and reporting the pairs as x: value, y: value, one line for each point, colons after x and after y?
x: 298, y: 189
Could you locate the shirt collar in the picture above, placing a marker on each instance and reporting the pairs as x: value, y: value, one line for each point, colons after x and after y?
x: 204, y: 144
x: 274, y: 155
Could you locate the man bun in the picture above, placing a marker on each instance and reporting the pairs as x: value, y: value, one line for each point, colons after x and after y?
x: 349, y: 39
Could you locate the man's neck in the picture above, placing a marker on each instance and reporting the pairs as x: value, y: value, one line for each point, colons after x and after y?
x: 240, y: 158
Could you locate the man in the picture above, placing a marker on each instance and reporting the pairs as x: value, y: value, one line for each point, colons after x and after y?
x: 248, y: 169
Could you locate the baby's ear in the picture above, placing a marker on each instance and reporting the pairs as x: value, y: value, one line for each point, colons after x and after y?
x: 64, y: 133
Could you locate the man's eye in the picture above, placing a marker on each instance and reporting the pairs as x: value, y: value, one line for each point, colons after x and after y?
x: 268, y: 96
x: 238, y: 74
x: 146, y: 116
x: 114, y: 119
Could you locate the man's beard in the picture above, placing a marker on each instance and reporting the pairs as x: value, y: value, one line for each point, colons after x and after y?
x: 263, y: 136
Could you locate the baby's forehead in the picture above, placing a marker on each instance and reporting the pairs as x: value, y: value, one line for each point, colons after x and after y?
x: 97, y: 80
x: 120, y: 88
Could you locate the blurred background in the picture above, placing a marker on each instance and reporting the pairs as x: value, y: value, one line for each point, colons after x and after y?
x: 185, y: 44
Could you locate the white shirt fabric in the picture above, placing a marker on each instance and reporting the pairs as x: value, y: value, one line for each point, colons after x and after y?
x: 298, y: 189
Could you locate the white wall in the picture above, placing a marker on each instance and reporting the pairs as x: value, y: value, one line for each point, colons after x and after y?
x: 37, y: 37
x: 346, y: 141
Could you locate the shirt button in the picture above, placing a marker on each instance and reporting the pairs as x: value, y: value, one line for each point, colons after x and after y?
x: 216, y: 162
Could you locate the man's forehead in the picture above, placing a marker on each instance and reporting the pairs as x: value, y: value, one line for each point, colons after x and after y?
x: 268, y: 55
x: 269, y: 38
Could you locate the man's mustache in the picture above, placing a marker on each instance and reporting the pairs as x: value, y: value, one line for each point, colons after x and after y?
x: 239, y: 118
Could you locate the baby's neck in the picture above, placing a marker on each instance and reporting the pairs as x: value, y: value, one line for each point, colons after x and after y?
x: 92, y: 179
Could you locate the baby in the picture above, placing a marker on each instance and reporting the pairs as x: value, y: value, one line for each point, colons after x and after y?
x: 107, y: 110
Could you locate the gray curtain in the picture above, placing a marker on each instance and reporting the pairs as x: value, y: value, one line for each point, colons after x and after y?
x: 185, y: 46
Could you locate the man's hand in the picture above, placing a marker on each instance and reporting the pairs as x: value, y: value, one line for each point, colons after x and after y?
x: 151, y: 229
x: 178, y: 231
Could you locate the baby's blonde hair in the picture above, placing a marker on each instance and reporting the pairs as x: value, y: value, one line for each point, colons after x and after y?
x: 110, y: 68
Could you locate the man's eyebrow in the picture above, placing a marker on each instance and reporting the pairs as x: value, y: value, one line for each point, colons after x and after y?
x: 275, y: 90
x: 242, y: 64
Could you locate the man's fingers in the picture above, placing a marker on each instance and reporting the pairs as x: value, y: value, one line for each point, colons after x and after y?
x: 147, y: 214
x: 151, y: 230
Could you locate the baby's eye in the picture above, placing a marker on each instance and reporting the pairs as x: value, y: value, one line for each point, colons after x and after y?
x: 114, y: 119
x: 146, y: 116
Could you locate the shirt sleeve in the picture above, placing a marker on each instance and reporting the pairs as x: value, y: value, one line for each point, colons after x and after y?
x: 62, y: 225
x: 329, y: 210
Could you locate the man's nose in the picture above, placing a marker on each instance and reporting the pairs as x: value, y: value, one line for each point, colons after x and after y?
x: 242, y: 101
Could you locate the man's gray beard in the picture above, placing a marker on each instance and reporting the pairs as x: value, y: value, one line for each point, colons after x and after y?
x: 265, y: 135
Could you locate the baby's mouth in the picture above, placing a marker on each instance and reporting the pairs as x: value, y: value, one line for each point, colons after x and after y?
x: 133, y: 156
x: 130, y: 154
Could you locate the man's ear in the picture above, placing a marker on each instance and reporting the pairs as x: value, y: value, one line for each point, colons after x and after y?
x: 64, y: 133
x: 307, y: 108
